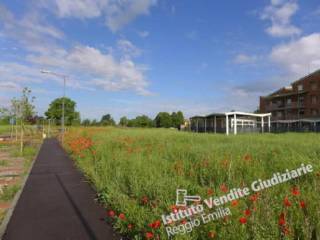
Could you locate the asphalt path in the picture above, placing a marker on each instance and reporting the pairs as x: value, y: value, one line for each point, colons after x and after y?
x: 57, y: 203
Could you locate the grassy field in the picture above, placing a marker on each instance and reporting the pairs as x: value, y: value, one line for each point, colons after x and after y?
x: 136, y: 173
x: 5, y: 129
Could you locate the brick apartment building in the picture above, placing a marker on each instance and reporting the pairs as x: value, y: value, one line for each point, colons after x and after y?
x: 298, y: 102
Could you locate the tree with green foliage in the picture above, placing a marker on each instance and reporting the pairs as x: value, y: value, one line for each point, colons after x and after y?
x: 55, y: 111
x: 107, y: 120
x: 124, y: 121
x: 86, y: 122
x: 177, y: 119
x: 163, y: 120
x: 94, y: 122
x: 141, y: 121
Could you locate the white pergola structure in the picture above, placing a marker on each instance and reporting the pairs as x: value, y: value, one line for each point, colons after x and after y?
x: 235, y: 121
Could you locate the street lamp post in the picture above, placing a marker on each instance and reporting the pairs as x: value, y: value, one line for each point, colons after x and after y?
x: 64, y: 77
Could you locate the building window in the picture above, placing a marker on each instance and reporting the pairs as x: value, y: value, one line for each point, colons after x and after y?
x: 314, y: 112
x: 314, y: 99
x: 314, y: 86
x: 289, y: 101
x: 301, y: 101
x: 300, y: 87
x: 301, y: 112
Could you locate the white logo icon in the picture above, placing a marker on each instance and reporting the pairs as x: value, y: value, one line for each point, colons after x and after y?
x: 183, y: 198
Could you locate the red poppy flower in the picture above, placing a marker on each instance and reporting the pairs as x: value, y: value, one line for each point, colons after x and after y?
x: 243, y: 220
x: 211, y: 234
x: 184, y: 221
x: 247, y: 157
x: 254, y: 197
x: 302, y: 204
x: 234, y: 203
x: 174, y: 209
x: 295, y: 191
x: 247, y: 212
x: 282, y: 220
x: 286, y: 202
x: 111, y: 213
x: 130, y: 226
x: 155, y: 224
x: 122, y: 216
x: 285, y: 231
x: 144, y: 200
x: 224, y: 188
x: 149, y: 235
x: 210, y: 191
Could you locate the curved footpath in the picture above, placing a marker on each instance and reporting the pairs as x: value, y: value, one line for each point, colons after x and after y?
x: 57, y: 203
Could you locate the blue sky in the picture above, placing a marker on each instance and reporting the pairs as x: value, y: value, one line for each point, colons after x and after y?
x: 135, y: 57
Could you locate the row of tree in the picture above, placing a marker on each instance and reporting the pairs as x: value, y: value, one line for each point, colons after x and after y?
x: 162, y: 120
x: 24, y: 110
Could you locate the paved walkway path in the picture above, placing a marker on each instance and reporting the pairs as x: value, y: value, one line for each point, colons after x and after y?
x: 57, y: 203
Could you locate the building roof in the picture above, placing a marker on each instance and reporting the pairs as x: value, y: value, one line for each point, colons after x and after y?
x: 285, y: 91
x: 232, y: 113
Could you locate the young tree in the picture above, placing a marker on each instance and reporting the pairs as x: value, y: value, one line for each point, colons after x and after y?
x: 23, y: 109
x: 55, y: 111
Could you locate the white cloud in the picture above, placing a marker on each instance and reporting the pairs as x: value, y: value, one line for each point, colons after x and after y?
x: 128, y: 49
x: 300, y: 56
x: 244, y: 59
x: 143, y: 34
x: 31, y: 30
x: 9, y: 86
x: 116, y: 13
x: 120, y: 13
x: 106, y: 72
x: 280, y: 12
x: 88, y: 67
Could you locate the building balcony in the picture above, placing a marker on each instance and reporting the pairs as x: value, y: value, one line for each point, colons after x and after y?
x: 293, y: 105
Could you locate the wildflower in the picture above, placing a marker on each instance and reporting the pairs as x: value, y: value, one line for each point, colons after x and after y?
x: 111, y: 213
x: 155, y: 224
x: 144, y: 200
x: 247, y: 157
x: 282, y: 220
x: 149, y: 235
x: 224, y: 188
x: 234, y: 203
x: 174, y: 209
x: 184, y: 221
x: 243, y: 220
x: 247, y: 212
x: 211, y: 234
x: 285, y: 230
x: 302, y: 204
x: 286, y: 202
x: 122, y: 216
x: 210, y: 192
x: 130, y: 226
x: 254, y: 197
x: 295, y: 191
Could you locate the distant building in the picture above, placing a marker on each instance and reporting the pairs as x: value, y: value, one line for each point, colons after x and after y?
x: 298, y: 101
x: 231, y: 122
x: 296, y: 107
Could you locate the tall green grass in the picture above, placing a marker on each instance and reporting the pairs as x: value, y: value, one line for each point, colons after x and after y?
x: 134, y: 164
